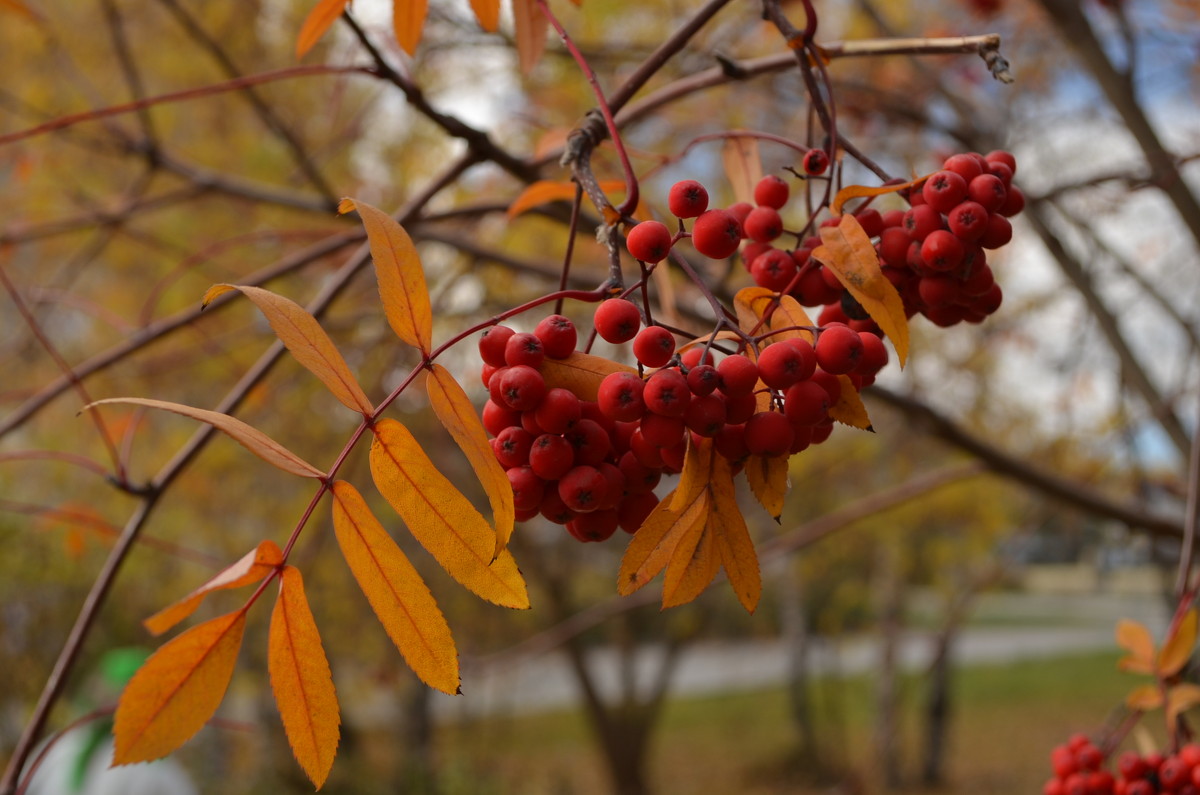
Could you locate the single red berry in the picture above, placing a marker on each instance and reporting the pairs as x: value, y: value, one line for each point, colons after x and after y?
x: 990, y: 301
x: 838, y: 349
x: 801, y: 438
x: 558, y: 336
x: 703, y: 379
x: 1190, y: 754
x: 582, y: 489
x: 942, y: 251
x: 988, y: 191
x: 1014, y: 202
x: 529, y: 422
x: 639, y: 478
x: 921, y: 220
x: 738, y: 375
x: 998, y: 233
x: 496, y: 417
x: 705, y: 415
x: 486, y: 372
x: 763, y: 224
x: 1001, y: 156
x: 1131, y: 766
x: 871, y: 221
x: 1090, y: 757
x: 1101, y: 782
x: 893, y: 246
x: 978, y: 281
x: 1053, y: 787
x: 616, y: 484
x: 768, y: 433
x: 874, y: 354
x: 673, y: 457
x: 821, y: 431
x: 621, y: 397
x: 752, y: 251
x: 938, y: 292
x: 667, y: 393
x: 730, y: 442
x: 687, y: 199
x: 1173, y: 773
x: 590, y: 441
x: 527, y: 488
x: 662, y: 431
x: 739, y: 211
x: 968, y: 221
x: 617, y: 320
x: 491, y: 344
x: 654, y: 346
x: 806, y: 403
x: 1142, y: 787
x: 649, y: 241
x: 1001, y: 171
x: 782, y: 364
x: 964, y: 165
x: 692, y: 356
x: 522, y: 387
x: 512, y: 447
x: 716, y: 234
x: 771, y: 191
x: 634, y: 510
x: 551, y: 456
x: 553, y: 508
x: 593, y: 527
x: 815, y: 162
x: 524, y: 348
x: 773, y: 270
x: 1063, y: 761
x: 739, y: 408
x: 943, y: 190
x: 558, y: 410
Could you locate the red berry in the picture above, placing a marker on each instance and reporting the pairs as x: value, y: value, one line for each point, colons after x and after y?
x: 553, y: 508
x: 527, y: 488
x: 738, y: 375
x: 705, y: 415
x: 654, y: 346
x: 871, y: 221
x: 815, y: 162
x: 998, y: 233
x: 768, y: 433
x: 616, y: 484
x: 617, y: 320
x: 649, y: 241
x: 730, y: 442
x: 773, y: 270
x: 1001, y: 156
x: 703, y: 379
x: 968, y: 221
x: 1132, y: 766
x: 942, y: 251
x: 558, y: 410
x: 524, y: 348
x: 1053, y: 787
x: 582, y: 489
x: 496, y: 417
x: 691, y: 357
x: 806, y: 403
x: 921, y: 220
x: 634, y: 510
x: 763, y: 224
x: 595, y: 526
x: 522, y: 387
x: 621, y: 397
x: 893, y: 246
x: 938, y: 292
x: 988, y: 191
x: 716, y: 234
x: 491, y: 345
x: 558, y: 336
x: 874, y: 355
x: 667, y: 393
x: 590, y: 441
x: 1090, y: 757
x: 739, y: 408
x: 639, y: 478
x: 964, y: 165
x: 662, y: 431
x: 780, y: 365
x: 1063, y: 760
x: 512, y: 447
x: 687, y: 199
x: 838, y: 349
x: 551, y: 456
x: 943, y: 190
x: 771, y: 191
x: 1173, y: 773
x: 1014, y: 203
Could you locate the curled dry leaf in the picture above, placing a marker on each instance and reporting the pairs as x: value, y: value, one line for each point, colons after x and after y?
x: 454, y: 410
x: 302, y: 681
x: 251, y: 568
x: 442, y: 519
x: 177, y: 690
x: 301, y: 334
x: 862, y: 191
x: 400, y: 274
x: 247, y: 436
x: 401, y: 601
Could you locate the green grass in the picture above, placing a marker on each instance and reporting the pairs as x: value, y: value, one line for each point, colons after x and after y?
x: 1006, y: 719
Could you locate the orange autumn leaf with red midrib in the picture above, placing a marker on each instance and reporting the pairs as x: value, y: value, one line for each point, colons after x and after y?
x: 252, y: 567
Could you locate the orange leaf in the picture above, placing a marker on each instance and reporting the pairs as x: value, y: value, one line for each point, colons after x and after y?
x: 395, y: 590
x: 768, y: 479
x: 581, y: 373
x: 301, y: 680
x: 731, y: 538
x: 720, y: 335
x: 1177, y: 648
x: 1135, y: 638
x: 400, y: 274
x: 1144, y: 698
x: 750, y: 303
x: 545, y: 191
x: 442, y: 519
x: 849, y: 409
x: 692, y: 567
x: 458, y: 416
x: 655, y: 541
x: 488, y: 14
x: 847, y: 251
x: 530, y: 28
x: 788, y: 315
x: 858, y: 191
x: 300, y: 332
x: 177, y: 690
x: 743, y: 166
x: 252, y: 567
x: 408, y: 20
x: 1181, y: 698
x: 318, y: 21
x: 247, y: 436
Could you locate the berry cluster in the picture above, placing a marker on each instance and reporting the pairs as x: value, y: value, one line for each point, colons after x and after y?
x: 1079, y: 770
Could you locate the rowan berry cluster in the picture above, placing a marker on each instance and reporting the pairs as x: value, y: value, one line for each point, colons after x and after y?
x: 1079, y: 770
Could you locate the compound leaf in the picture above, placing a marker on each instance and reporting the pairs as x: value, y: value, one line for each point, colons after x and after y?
x: 302, y: 681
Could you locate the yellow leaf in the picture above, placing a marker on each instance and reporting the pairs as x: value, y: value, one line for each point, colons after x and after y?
x: 735, y: 549
x: 698, y: 341
x: 655, y: 541
x: 1177, y: 648
x: 458, y: 416
x: 400, y: 274
x: 768, y: 481
x: 488, y: 14
x: 1135, y: 638
x: 1144, y: 698
x: 692, y: 567
x: 545, y: 191
x: 580, y: 373
x: 252, y: 567
x: 788, y: 315
x: 859, y: 191
x: 752, y: 303
x: 177, y: 690
x: 395, y: 590
x: 849, y: 409
x: 743, y: 166
x: 302, y: 681
x: 696, y: 473
x: 247, y: 436
x: 318, y: 21
x: 530, y: 27
x: 408, y: 20
x: 300, y: 332
x: 847, y: 251
x: 1181, y: 698
x: 442, y: 519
